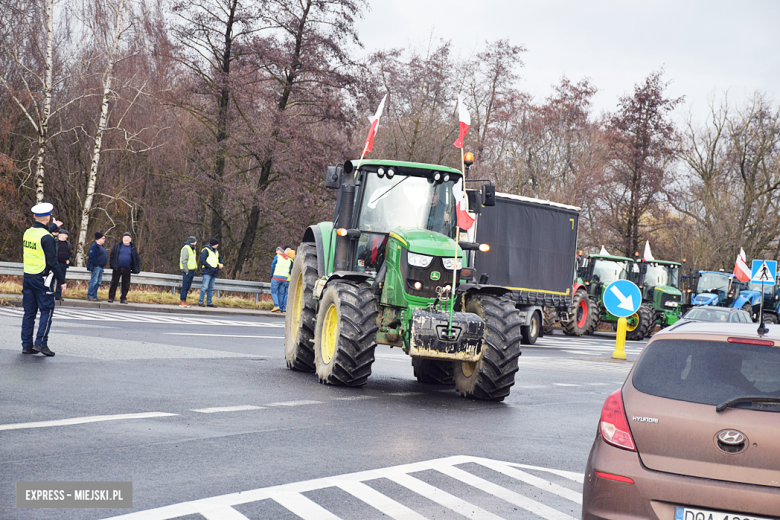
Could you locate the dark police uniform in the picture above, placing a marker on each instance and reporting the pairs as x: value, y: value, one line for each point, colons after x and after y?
x: 40, y: 259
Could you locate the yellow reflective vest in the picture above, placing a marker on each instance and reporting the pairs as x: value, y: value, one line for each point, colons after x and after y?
x: 192, y: 260
x: 282, y: 268
x: 213, y: 258
x: 34, y: 257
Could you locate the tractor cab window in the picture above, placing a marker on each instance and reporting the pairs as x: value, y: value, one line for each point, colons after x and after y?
x: 607, y: 271
x: 661, y: 274
x: 406, y: 202
x: 371, y: 249
x: 713, y: 283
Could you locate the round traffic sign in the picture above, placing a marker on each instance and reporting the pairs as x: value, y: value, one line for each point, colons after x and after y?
x: 622, y: 298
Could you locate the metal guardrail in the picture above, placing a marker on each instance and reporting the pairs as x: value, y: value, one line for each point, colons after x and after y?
x: 156, y: 279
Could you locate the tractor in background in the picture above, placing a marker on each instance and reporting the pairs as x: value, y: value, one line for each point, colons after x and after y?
x: 659, y: 283
x: 596, y: 272
x: 722, y: 289
x: 771, y: 295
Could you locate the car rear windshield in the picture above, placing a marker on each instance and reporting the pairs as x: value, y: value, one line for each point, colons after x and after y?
x: 709, y: 372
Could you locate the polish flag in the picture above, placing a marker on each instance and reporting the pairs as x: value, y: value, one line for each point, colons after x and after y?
x: 465, y: 122
x: 648, y: 256
x: 741, y: 270
x: 374, y: 125
x: 464, y: 219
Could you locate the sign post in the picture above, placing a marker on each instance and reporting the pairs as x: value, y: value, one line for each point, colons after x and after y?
x: 622, y: 299
x: 763, y: 272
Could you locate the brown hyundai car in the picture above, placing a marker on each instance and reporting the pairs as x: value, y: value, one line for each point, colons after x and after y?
x: 694, y: 433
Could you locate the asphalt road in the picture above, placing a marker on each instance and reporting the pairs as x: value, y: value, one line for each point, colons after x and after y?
x: 190, y: 408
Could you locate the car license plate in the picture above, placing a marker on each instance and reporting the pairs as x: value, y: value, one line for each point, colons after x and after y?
x: 687, y: 513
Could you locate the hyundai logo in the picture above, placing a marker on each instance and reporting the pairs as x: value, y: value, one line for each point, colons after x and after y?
x: 731, y: 437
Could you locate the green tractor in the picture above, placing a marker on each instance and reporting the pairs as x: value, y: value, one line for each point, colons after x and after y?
x: 596, y: 272
x: 388, y: 270
x: 659, y: 282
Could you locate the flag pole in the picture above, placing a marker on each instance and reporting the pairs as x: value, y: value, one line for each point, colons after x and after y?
x: 457, y: 241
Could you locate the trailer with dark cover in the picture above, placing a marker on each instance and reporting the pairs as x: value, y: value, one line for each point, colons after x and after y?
x: 533, y: 246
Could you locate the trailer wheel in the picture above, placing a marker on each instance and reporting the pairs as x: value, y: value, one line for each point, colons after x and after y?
x: 433, y: 372
x: 639, y: 323
x: 301, y: 312
x: 549, y: 320
x: 345, y: 335
x: 582, y: 310
x: 530, y: 333
x: 492, y: 376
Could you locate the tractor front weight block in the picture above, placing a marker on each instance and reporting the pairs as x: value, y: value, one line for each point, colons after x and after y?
x: 431, y: 336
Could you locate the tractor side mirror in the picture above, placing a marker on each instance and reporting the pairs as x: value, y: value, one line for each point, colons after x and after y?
x: 643, y: 268
x: 333, y: 176
x: 488, y: 195
x: 475, y: 205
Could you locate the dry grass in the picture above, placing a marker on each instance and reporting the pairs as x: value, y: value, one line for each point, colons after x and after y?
x: 146, y: 294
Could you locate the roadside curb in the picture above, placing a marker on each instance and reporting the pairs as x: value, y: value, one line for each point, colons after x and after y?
x: 152, y: 307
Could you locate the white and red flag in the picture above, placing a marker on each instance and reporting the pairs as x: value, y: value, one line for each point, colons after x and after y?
x: 741, y: 270
x: 648, y: 256
x: 465, y: 221
x: 374, y: 125
x: 465, y: 122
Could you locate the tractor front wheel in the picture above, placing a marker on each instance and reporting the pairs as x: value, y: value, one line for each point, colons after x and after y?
x: 345, y: 335
x: 749, y: 309
x: 491, y: 377
x: 433, y: 371
x: 639, y: 323
x: 301, y: 311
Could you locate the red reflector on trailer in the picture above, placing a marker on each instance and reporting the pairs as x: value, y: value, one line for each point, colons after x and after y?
x: 763, y: 342
x: 617, y: 478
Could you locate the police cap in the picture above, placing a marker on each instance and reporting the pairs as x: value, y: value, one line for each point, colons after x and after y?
x: 43, y: 209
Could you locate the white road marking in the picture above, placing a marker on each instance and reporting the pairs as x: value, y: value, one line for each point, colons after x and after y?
x: 573, y: 365
x: 355, y: 398
x: 404, y: 394
x: 581, y: 352
x: 223, y: 513
x: 229, y: 409
x: 565, y: 384
x: 220, y: 335
x: 295, y: 403
x: 291, y: 496
x: 84, y: 420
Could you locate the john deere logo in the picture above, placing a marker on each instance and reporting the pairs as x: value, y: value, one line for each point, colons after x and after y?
x: 435, y: 275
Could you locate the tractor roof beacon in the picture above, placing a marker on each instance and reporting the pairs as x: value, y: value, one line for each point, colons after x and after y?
x: 389, y: 270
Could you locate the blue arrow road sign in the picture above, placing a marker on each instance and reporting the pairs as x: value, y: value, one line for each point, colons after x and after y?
x: 764, y: 272
x: 622, y: 298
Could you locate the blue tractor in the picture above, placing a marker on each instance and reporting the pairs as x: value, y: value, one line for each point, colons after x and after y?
x: 724, y: 290
x: 771, y: 301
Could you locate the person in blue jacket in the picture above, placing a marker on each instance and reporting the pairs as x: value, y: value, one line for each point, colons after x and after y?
x: 97, y: 258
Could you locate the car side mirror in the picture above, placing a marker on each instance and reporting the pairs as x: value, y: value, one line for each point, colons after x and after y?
x: 333, y: 176
x: 488, y: 195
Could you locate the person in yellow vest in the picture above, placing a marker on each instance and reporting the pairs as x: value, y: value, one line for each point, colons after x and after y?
x: 210, y: 264
x: 41, y: 273
x: 188, y: 263
x: 280, y: 278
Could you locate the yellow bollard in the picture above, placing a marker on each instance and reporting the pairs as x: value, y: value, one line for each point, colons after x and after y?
x: 620, y: 340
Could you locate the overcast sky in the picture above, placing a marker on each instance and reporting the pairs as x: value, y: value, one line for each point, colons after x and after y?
x: 705, y: 47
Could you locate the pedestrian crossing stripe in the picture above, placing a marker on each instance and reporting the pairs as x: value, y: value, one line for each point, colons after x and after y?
x: 292, y: 498
x: 573, y: 365
x: 137, y: 317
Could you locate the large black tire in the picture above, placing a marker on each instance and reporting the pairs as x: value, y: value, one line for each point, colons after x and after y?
x: 749, y: 309
x: 433, y: 371
x: 345, y: 335
x: 530, y: 333
x: 770, y: 317
x: 583, y: 312
x: 301, y: 311
x: 646, y: 319
x: 550, y: 315
x: 492, y: 376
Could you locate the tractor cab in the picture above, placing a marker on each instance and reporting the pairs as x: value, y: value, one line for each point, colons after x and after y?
x: 598, y: 271
x: 659, y: 282
x: 716, y: 288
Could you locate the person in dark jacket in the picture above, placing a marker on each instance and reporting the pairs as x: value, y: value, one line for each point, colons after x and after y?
x: 124, y: 261
x: 64, y: 257
x: 188, y: 263
x: 210, y: 264
x: 97, y: 259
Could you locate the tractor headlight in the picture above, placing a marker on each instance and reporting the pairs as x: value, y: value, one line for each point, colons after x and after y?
x: 449, y: 263
x: 419, y: 260
x: 671, y: 304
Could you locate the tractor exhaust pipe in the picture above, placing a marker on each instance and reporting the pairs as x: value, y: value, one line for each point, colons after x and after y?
x: 344, y: 219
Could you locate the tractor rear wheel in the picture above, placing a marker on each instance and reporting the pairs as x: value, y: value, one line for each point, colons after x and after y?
x: 583, y: 311
x: 639, y: 323
x: 345, y: 335
x: 433, y: 371
x: 301, y: 312
x: 491, y: 377
x: 770, y: 317
x: 530, y: 333
x: 550, y: 315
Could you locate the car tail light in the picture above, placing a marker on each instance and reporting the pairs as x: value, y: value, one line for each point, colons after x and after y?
x: 763, y: 342
x: 617, y: 478
x: 614, y: 424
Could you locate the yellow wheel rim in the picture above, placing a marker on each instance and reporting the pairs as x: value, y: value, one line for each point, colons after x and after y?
x: 329, y: 334
x: 632, y: 322
x: 468, y: 368
x: 297, y: 304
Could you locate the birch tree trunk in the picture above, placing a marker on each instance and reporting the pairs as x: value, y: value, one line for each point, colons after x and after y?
x: 120, y: 14
x: 43, y: 126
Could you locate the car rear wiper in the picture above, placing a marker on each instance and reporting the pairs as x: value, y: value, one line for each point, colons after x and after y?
x: 747, y: 399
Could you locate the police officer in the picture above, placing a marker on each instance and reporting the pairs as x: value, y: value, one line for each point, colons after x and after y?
x: 41, y: 272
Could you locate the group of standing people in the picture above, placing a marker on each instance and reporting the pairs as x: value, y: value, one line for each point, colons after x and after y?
x: 210, y: 261
x: 124, y: 261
